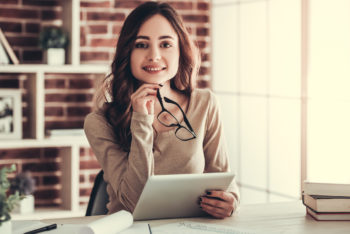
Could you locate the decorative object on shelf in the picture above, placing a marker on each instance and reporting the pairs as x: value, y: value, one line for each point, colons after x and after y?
x: 25, y: 184
x: 7, y: 202
x: 6, y: 50
x: 4, y: 59
x: 10, y: 114
x: 54, y: 41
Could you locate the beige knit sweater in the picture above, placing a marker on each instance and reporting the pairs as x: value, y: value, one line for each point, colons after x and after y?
x: 154, y: 153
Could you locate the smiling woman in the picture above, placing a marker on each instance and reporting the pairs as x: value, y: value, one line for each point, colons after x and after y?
x: 155, y: 121
x: 155, y: 57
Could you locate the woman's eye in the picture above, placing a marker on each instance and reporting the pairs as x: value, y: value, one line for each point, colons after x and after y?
x: 141, y: 45
x: 166, y: 45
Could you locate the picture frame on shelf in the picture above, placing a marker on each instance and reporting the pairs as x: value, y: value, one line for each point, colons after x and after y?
x: 10, y: 114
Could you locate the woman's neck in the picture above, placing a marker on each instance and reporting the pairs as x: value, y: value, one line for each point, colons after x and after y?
x: 167, y: 91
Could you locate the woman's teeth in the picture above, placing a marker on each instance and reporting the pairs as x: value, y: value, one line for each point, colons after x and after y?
x: 153, y: 68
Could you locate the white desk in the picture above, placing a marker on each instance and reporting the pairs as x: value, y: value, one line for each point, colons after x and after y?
x: 289, y: 217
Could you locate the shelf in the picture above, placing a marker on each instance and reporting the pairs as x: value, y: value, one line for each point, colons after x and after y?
x: 44, y: 68
x: 49, y: 213
x: 59, y: 141
x: 68, y: 146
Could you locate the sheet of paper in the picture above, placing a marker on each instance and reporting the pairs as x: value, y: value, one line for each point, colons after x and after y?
x: 22, y: 226
x: 113, y: 223
x: 137, y: 228
x: 140, y: 228
x: 195, y: 228
x: 120, y: 222
x: 65, y: 229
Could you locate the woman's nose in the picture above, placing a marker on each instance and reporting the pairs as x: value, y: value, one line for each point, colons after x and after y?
x: 154, y: 54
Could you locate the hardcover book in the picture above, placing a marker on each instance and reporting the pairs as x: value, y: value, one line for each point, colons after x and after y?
x: 328, y: 215
x: 327, y: 189
x: 321, y: 203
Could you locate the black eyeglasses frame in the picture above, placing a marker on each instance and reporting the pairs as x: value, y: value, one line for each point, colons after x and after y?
x: 179, y: 126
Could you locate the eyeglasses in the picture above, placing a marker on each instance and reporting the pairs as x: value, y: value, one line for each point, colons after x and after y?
x: 166, y: 118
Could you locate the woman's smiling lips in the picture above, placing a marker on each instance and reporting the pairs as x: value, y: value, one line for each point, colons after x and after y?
x: 153, y: 69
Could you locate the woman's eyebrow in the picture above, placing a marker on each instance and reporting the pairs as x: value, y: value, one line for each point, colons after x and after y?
x: 166, y: 37
x: 160, y: 38
x: 142, y: 37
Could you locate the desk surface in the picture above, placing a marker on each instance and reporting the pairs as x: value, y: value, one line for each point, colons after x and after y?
x: 287, y: 217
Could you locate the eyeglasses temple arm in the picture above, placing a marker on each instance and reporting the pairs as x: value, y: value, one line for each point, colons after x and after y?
x: 160, y: 99
x: 183, y: 113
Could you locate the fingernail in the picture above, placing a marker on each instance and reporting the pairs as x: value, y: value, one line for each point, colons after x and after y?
x: 208, y: 192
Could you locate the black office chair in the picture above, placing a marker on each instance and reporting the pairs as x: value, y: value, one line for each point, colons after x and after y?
x: 98, y: 197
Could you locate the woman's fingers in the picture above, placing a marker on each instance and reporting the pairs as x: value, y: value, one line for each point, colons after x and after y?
x: 217, y: 203
x: 150, y: 107
x: 144, y: 104
x: 144, y: 88
x: 143, y: 93
x: 213, y: 212
x: 143, y: 99
x: 223, y: 195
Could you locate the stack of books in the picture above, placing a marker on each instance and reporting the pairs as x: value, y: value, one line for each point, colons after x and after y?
x: 327, y: 201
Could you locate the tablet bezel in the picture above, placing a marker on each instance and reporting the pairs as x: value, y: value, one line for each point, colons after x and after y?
x: 177, y: 195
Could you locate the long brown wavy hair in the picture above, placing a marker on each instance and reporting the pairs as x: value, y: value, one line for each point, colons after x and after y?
x: 113, y: 97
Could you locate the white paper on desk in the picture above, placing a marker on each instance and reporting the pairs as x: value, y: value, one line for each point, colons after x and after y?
x: 112, y: 224
x: 196, y: 227
x: 120, y: 222
x: 22, y: 226
x: 139, y: 228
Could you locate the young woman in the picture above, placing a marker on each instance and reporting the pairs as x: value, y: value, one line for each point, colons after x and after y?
x: 152, y: 120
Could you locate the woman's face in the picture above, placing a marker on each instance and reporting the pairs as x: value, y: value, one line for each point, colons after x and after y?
x: 155, y: 55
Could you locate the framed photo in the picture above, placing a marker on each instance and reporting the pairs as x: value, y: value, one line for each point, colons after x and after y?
x: 10, y: 114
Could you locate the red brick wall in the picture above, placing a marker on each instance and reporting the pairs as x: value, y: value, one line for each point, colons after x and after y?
x: 22, y: 20
x: 68, y: 97
x: 101, y: 23
x: 89, y: 167
x: 44, y: 165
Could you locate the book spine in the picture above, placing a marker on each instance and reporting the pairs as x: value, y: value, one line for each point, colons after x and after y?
x: 327, y: 189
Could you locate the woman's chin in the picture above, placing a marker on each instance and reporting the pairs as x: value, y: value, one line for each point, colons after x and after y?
x: 155, y: 81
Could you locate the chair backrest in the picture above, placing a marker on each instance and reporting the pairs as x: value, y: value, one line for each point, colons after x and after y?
x: 98, y: 197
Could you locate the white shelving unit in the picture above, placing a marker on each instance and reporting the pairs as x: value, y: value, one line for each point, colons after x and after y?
x: 36, y: 74
x: 69, y: 146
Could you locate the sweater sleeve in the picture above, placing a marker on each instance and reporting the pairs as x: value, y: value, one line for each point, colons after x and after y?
x: 127, y: 173
x: 214, y: 145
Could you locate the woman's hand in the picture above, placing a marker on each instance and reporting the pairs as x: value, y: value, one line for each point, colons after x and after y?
x: 217, y: 203
x: 143, y: 99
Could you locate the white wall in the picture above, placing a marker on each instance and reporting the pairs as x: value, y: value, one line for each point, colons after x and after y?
x: 328, y: 84
x: 257, y: 77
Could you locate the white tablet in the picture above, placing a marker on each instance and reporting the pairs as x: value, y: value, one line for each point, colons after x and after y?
x: 176, y: 196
